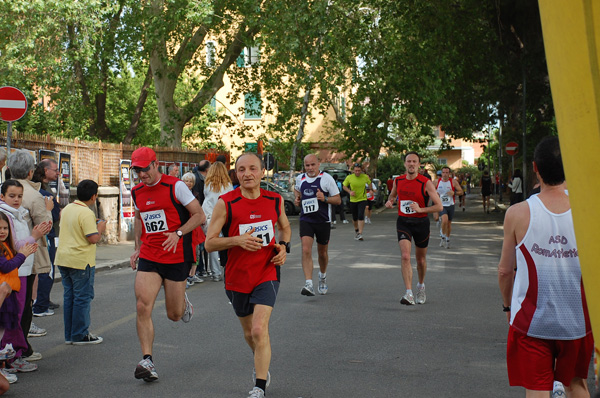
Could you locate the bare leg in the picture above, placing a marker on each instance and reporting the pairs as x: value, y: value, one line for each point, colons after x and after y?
x: 421, y: 255
x: 307, y: 261
x: 577, y: 389
x: 256, y: 333
x: 405, y: 246
x: 175, y: 299
x: 147, y: 286
x: 323, y: 257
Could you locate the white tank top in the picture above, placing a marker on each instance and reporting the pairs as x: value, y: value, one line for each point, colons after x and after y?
x: 547, y: 300
x: 442, y: 188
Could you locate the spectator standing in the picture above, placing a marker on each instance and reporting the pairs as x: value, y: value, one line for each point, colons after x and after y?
x: 46, y: 171
x: 516, y: 187
x: 340, y: 208
x: 174, y: 170
x: 22, y: 165
x: 76, y: 260
x: 217, y: 183
x: 198, y: 237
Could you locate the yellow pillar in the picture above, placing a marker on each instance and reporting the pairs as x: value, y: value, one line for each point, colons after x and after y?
x: 571, y: 31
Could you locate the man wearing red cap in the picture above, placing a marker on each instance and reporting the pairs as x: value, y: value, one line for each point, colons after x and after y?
x: 166, y: 213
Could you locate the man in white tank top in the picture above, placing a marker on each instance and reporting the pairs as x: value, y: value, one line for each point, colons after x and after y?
x: 447, y: 187
x: 550, y: 336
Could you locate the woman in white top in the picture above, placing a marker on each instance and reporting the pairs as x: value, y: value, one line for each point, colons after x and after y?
x: 516, y: 185
x: 216, y: 183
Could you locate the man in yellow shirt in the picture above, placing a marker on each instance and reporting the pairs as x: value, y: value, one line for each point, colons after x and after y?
x: 356, y: 185
x: 76, y: 260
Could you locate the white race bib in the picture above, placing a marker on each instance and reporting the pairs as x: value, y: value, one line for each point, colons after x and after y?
x: 446, y: 200
x: 263, y: 230
x: 154, y: 221
x: 405, y: 207
x: 310, y: 205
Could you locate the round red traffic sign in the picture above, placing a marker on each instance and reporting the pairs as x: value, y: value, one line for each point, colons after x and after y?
x: 13, y: 104
x: 512, y: 148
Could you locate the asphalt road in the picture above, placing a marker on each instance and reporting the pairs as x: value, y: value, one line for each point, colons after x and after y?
x: 356, y: 341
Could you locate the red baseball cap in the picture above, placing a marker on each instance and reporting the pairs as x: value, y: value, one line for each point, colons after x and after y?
x: 142, y: 157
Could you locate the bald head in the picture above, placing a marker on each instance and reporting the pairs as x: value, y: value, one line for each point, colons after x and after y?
x: 311, y: 165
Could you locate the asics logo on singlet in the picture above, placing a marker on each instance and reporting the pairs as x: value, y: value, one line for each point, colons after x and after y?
x: 261, y: 228
x: 151, y: 216
x: 309, y: 192
x: 150, y: 202
x: 253, y: 216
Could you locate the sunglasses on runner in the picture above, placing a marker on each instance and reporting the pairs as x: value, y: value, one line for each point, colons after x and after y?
x: 138, y: 170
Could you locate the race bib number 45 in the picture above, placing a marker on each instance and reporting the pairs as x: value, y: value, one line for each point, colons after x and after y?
x: 263, y: 230
x: 405, y: 207
x: 154, y: 221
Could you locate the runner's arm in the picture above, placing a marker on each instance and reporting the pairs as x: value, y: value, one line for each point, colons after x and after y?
x: 435, y: 198
x: 137, y: 231
x: 508, y: 259
x: 457, y: 188
x: 392, y: 198
x: 197, y: 218
x: 285, y: 234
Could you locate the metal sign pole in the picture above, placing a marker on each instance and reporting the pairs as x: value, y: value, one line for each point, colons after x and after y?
x: 8, y: 137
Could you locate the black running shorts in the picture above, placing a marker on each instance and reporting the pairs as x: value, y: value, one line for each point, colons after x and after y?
x: 358, y: 210
x: 321, y: 230
x: 413, y: 228
x: 264, y: 294
x: 173, y: 272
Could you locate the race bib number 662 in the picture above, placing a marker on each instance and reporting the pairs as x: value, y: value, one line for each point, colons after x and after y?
x: 263, y: 230
x: 154, y: 221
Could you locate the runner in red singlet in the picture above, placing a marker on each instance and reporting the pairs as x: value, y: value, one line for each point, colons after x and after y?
x: 413, y: 191
x: 247, y: 218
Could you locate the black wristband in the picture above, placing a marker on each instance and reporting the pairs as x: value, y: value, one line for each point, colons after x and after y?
x: 286, y: 244
x: 505, y: 309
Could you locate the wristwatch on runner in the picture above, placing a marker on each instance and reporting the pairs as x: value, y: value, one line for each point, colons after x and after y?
x: 286, y: 244
x: 179, y: 233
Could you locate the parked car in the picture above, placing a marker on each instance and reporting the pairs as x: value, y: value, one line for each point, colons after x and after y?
x: 288, y: 197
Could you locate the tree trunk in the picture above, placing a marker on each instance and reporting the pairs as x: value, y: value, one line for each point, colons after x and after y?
x: 137, y: 113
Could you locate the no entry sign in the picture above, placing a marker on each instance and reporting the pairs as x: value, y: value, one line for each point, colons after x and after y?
x: 13, y: 104
x: 512, y: 148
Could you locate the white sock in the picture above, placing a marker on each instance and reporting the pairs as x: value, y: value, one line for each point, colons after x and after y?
x: 322, y: 275
x: 309, y: 282
x: 409, y: 292
x: 420, y: 285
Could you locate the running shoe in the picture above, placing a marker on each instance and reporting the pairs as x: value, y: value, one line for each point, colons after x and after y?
x: 217, y: 278
x: 334, y: 222
x: 48, y: 312
x: 558, y: 391
x: 35, y: 356
x: 35, y: 331
x: 421, y: 297
x: 308, y: 290
x: 359, y: 237
x: 189, y: 282
x: 256, y: 393
x: 323, y: 285
x: 447, y: 243
x: 11, y: 378
x: 8, y: 352
x: 21, y: 365
x: 345, y: 222
x: 89, y: 340
x: 145, y: 370
x: 442, y: 242
x: 189, y: 311
x: 197, y: 279
x: 254, y: 377
x: 408, y: 299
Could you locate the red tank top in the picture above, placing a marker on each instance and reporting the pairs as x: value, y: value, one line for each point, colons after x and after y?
x: 411, y: 191
x: 161, y: 212
x: 245, y: 270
